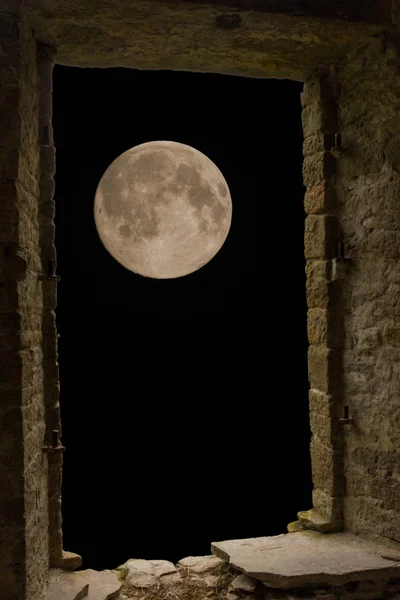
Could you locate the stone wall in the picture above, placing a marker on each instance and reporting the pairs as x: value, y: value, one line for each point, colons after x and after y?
x: 368, y: 194
x: 49, y: 287
x: 324, y: 318
x: 353, y: 200
x: 23, y: 490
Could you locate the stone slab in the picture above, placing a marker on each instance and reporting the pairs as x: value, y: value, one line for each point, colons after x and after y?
x: 201, y: 564
x: 308, y: 558
x: 146, y: 573
x: 66, y: 586
x: 103, y: 585
x: 110, y: 33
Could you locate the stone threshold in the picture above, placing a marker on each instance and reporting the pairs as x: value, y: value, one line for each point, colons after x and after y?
x: 335, y: 565
x: 305, y: 565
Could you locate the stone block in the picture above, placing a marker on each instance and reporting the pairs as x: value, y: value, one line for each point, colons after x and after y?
x: 324, y: 417
x: 47, y: 159
x: 330, y: 507
x: 53, y: 417
x: 49, y: 294
x: 318, y: 283
x: 47, y: 188
x: 47, y: 234
x: 327, y: 467
x: 49, y: 322
x: 47, y: 207
x: 315, y: 143
x: 322, y: 88
x: 51, y: 391
x: 324, y: 369
x: 318, y: 168
x: 311, y: 519
x: 46, y: 98
x: 337, y: 559
x: 319, y: 200
x: 321, y: 237
x: 319, y: 119
x: 325, y: 327
x: 69, y: 561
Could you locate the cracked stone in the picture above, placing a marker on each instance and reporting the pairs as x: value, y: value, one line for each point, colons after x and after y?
x: 146, y: 573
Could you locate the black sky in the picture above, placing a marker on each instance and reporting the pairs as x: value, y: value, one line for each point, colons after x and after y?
x: 184, y: 402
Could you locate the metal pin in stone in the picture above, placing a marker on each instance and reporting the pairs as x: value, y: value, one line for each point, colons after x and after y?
x: 56, y: 438
x: 50, y: 271
x: 346, y: 420
x: 337, y: 150
x: 341, y: 257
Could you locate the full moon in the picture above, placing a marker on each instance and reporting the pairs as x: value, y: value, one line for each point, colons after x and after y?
x: 163, y: 209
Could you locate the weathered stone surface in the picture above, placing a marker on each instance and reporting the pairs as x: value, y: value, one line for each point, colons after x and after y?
x: 327, y: 466
x: 311, y: 519
x: 103, y: 585
x: 324, y: 369
x: 263, y: 45
x: 318, y: 118
x: 367, y: 185
x: 325, y: 327
x: 318, y: 168
x: 238, y: 595
x: 146, y: 573
x: 201, y: 564
x: 69, y: 561
x: 319, y: 199
x: 320, y: 89
x: 320, y: 238
x: 308, y: 559
x: 243, y: 583
x: 23, y: 493
x: 66, y: 586
x: 363, y: 185
x: 327, y: 505
x: 316, y: 143
x: 324, y: 416
x: 318, y: 283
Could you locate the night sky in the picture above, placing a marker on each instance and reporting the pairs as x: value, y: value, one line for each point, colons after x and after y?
x: 183, y: 401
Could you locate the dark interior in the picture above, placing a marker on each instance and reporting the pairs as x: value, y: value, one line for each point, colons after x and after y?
x: 184, y: 401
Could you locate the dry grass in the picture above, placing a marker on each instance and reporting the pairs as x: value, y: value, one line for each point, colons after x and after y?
x: 185, y: 589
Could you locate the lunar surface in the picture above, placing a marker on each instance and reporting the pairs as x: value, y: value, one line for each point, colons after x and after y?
x: 163, y: 209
